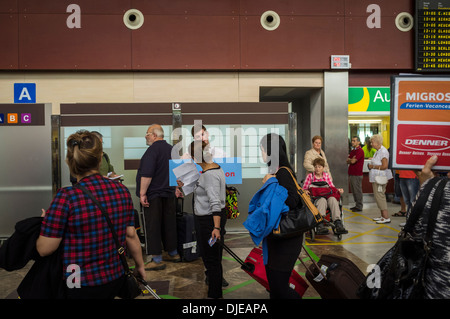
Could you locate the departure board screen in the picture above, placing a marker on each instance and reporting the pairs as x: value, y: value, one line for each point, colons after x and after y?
x: 432, y: 26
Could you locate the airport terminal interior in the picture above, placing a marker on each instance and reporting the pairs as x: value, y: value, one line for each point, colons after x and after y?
x: 241, y: 68
x: 365, y: 243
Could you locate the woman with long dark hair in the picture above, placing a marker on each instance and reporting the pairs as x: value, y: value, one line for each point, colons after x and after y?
x: 282, y: 253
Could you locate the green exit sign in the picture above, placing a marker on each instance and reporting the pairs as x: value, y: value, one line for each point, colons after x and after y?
x: 369, y: 99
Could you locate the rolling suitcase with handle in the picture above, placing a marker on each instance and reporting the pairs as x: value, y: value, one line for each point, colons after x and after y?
x: 186, y: 236
x: 334, y: 277
x: 254, y: 266
x: 147, y: 287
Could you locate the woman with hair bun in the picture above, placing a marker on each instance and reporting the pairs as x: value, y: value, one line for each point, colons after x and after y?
x: 74, y: 222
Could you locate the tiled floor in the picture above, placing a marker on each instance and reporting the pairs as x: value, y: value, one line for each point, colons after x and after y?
x: 365, y: 243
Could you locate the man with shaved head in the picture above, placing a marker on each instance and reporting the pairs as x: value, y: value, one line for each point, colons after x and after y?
x: 158, y: 199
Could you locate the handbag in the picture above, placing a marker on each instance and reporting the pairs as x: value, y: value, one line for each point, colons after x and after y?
x: 318, y: 189
x: 380, y: 180
x: 130, y: 288
x: 401, y: 271
x: 231, y: 202
x: 299, y: 220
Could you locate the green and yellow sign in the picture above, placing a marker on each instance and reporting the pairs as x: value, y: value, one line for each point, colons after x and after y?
x: 369, y: 99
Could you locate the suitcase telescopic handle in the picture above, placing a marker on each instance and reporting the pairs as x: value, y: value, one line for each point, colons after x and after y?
x: 314, y: 262
x: 244, y: 265
x: 145, y: 284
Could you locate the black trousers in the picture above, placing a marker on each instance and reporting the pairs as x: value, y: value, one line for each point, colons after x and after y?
x: 160, y: 225
x: 106, y: 291
x: 211, y: 256
x: 282, y: 255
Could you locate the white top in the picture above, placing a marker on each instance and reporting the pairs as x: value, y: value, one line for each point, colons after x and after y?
x: 376, y: 161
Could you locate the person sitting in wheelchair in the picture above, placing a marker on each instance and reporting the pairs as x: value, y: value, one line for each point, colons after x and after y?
x: 324, y: 194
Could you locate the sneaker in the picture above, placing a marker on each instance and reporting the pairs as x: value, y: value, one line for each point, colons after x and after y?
x: 224, y: 282
x: 377, y: 219
x: 155, y: 266
x: 383, y: 220
x: 174, y: 259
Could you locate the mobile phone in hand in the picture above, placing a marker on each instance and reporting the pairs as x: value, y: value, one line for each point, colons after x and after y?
x: 212, y: 241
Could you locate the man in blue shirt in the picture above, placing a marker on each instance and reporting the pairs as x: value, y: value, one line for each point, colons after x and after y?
x: 158, y: 199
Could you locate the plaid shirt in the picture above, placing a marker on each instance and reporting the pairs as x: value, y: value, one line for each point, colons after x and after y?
x: 87, y: 239
x: 312, y: 178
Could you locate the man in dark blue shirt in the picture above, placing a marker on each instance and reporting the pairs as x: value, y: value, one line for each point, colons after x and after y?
x: 158, y: 199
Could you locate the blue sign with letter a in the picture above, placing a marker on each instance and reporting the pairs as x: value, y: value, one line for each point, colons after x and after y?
x: 24, y: 92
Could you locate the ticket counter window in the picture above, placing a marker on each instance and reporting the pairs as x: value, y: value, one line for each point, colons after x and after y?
x: 123, y: 143
x: 240, y: 141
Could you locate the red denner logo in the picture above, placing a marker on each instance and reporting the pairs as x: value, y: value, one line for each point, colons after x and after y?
x: 427, y: 143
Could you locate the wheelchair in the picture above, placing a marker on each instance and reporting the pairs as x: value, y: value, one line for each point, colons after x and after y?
x: 327, y: 220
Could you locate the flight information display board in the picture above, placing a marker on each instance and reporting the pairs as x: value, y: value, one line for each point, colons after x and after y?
x: 432, y: 30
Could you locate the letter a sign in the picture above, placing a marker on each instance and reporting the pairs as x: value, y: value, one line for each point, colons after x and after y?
x: 24, y: 92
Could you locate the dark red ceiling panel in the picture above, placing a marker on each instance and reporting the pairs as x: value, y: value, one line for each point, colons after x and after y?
x: 102, y: 42
x: 391, y: 8
x: 86, y: 6
x: 297, y: 7
x: 8, y: 6
x: 185, y: 7
x: 9, y: 38
x: 187, y: 42
x: 374, y: 78
x: 382, y: 48
x: 202, y: 35
x: 298, y: 43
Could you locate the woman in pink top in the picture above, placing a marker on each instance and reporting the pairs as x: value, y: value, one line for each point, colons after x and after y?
x: 322, y: 203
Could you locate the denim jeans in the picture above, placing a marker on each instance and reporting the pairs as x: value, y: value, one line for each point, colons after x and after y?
x: 409, y: 187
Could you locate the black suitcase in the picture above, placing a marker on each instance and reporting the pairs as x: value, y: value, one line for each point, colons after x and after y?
x: 334, y: 277
x: 186, y: 237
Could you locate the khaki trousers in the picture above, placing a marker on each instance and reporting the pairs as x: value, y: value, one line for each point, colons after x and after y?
x: 380, y: 196
x: 322, y: 204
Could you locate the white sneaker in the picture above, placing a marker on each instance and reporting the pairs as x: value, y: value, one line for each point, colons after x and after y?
x: 383, y: 220
x: 377, y: 218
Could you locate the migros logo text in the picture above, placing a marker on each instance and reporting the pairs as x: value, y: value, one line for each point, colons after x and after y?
x: 428, y: 96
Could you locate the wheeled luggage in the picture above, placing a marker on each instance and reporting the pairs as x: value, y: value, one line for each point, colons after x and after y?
x: 186, y: 236
x: 254, y: 266
x: 146, y: 286
x: 334, y: 277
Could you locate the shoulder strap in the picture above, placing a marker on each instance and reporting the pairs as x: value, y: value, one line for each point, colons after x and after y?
x: 120, y: 249
x: 305, y: 198
x: 417, y: 209
x: 292, y: 175
x: 437, y: 198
